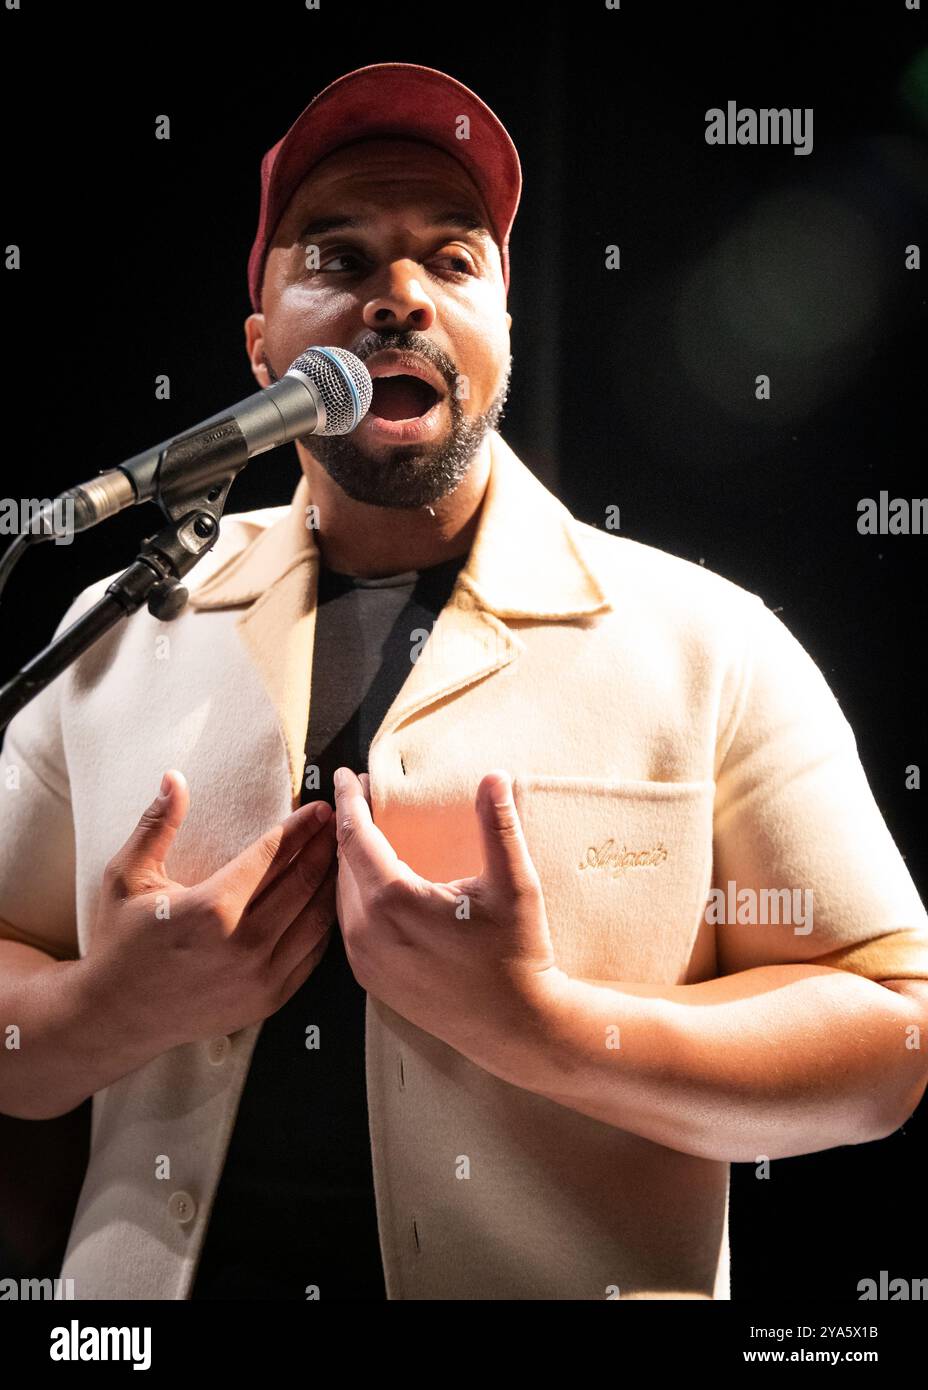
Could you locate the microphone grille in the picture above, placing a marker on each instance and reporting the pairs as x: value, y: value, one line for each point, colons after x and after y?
x: 342, y: 381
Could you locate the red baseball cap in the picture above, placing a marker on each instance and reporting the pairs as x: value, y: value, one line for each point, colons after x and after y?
x: 403, y: 100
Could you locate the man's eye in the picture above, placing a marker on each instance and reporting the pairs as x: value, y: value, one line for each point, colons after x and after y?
x: 457, y: 262
x: 326, y: 264
x: 461, y: 263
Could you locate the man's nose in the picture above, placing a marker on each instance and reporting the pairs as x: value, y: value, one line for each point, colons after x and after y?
x: 400, y: 301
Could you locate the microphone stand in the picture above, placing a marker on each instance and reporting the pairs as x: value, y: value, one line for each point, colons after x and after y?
x: 192, y: 493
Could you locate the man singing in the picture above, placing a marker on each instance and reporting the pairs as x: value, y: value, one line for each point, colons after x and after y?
x: 496, y: 1028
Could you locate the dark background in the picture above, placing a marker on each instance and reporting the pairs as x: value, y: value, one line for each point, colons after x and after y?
x: 632, y: 387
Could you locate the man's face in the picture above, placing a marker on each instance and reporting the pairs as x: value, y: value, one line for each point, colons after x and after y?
x: 416, y: 270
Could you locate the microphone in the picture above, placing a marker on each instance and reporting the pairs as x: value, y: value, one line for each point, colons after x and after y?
x: 327, y: 390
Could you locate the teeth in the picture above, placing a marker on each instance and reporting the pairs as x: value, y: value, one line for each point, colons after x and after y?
x: 403, y: 371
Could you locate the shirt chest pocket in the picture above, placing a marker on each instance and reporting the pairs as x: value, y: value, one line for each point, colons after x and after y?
x: 626, y: 869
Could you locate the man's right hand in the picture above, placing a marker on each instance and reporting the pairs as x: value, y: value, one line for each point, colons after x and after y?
x: 180, y: 964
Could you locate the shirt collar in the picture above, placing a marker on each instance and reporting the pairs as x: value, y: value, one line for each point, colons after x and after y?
x: 527, y: 560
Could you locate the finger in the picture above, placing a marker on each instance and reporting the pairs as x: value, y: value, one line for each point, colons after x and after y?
x: 506, y: 860
x: 307, y: 928
x: 265, y: 858
x: 146, y: 849
x: 302, y: 971
x: 373, y: 859
x: 270, y: 912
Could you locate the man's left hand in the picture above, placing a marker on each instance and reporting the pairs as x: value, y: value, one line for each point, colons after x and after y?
x: 471, y: 961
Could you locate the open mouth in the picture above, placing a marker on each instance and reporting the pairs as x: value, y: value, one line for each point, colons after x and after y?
x: 402, y: 397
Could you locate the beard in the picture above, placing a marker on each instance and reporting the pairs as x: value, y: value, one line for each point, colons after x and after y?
x: 409, y: 475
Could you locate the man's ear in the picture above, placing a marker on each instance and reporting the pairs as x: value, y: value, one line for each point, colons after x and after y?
x: 254, y: 344
x: 509, y: 321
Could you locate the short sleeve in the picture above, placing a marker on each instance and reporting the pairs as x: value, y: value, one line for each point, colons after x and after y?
x: 805, y: 869
x: 38, y: 897
x: 37, y: 860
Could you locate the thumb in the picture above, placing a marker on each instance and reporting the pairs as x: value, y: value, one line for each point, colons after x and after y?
x: 506, y: 860
x: 147, y: 847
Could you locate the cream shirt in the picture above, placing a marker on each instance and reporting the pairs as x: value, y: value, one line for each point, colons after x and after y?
x: 667, y: 737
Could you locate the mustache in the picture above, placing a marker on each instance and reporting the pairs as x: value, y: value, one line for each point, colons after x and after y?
x: 416, y: 343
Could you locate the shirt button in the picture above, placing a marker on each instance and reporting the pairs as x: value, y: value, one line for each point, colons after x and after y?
x: 218, y: 1050
x: 182, y: 1207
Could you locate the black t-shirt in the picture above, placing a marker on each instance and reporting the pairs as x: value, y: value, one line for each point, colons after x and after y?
x: 295, y: 1203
